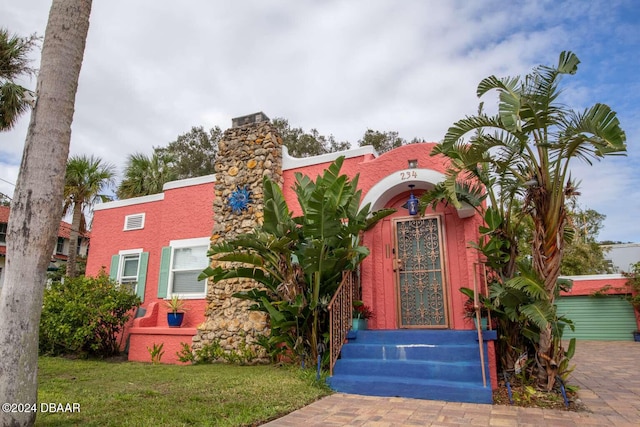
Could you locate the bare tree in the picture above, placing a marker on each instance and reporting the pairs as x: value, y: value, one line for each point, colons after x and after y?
x: 37, y: 204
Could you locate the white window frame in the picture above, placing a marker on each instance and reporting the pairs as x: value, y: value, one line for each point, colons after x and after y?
x: 123, y: 254
x: 187, y: 243
x: 60, y: 245
x: 126, y: 221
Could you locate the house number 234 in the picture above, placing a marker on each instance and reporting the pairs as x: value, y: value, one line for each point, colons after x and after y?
x: 408, y: 175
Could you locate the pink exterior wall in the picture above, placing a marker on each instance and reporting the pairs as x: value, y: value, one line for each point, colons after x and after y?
x: 587, y: 285
x: 152, y: 329
x: 184, y: 212
x: 349, y: 167
x: 378, y: 277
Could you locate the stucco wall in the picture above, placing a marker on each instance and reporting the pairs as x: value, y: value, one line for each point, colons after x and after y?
x: 184, y: 212
x: 587, y: 285
x: 378, y: 277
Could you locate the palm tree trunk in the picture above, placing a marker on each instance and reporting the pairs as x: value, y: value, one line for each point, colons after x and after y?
x: 547, y: 258
x: 37, y: 205
x: 73, y: 240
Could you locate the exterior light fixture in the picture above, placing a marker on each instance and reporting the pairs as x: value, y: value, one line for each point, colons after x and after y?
x: 413, y: 163
x: 412, y: 203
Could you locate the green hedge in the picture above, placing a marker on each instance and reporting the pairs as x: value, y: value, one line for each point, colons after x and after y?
x: 84, y: 316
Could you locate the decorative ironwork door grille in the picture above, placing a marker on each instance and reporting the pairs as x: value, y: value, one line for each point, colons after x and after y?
x: 420, y: 273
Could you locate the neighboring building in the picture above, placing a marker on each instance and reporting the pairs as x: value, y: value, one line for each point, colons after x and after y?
x: 60, y: 253
x: 598, y: 307
x: 597, y: 304
x: 622, y: 256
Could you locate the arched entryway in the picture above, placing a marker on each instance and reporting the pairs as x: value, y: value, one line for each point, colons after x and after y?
x: 407, y: 279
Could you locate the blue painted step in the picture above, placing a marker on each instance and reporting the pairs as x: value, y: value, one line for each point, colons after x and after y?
x: 423, y: 364
x: 398, y: 351
x: 418, y: 369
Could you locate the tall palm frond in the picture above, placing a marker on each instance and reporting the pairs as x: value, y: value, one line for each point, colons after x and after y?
x: 523, y: 155
x: 145, y: 175
x: 13, y: 104
x: 14, y: 62
x: 87, y: 179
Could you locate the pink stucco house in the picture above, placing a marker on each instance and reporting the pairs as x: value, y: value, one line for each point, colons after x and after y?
x: 137, y: 239
x: 411, y: 279
x: 159, y: 243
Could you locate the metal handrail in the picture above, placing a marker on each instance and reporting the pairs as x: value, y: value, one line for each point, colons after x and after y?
x: 476, y: 306
x: 340, y: 312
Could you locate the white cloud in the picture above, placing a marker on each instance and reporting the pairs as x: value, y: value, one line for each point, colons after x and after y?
x: 153, y: 69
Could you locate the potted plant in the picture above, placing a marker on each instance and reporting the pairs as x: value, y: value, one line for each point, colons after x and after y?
x: 361, y: 313
x: 175, y: 315
x: 470, y: 310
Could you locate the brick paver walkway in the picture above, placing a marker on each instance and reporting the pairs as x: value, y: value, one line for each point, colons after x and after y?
x: 606, y: 372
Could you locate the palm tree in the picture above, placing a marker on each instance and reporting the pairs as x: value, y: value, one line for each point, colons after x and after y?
x: 145, y: 175
x: 14, y: 62
x: 528, y: 146
x: 86, y: 179
x: 37, y: 203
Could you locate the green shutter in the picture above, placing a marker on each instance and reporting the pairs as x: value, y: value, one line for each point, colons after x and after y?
x: 142, y: 275
x: 598, y: 318
x: 163, y: 279
x: 113, y: 270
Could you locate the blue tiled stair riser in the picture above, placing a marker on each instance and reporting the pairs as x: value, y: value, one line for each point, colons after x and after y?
x: 422, y: 364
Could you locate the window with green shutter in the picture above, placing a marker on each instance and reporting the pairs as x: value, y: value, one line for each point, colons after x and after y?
x: 129, y: 268
x: 181, y: 264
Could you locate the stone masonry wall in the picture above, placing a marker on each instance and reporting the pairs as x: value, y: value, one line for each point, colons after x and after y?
x: 245, y: 154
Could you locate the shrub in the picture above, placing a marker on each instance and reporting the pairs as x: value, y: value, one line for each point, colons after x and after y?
x: 634, y: 286
x: 84, y: 315
x: 156, y: 353
x: 213, y: 353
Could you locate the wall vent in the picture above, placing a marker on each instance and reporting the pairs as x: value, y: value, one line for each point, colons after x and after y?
x: 134, y: 222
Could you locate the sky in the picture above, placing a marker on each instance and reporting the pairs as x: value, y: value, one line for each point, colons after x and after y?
x: 154, y: 68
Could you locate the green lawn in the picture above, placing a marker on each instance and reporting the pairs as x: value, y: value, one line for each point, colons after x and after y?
x: 137, y: 394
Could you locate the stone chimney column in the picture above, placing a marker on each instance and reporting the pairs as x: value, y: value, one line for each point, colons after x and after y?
x: 248, y: 151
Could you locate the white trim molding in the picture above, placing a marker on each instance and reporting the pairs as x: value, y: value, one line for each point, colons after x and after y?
x: 188, y: 182
x: 398, y: 182
x: 289, y: 162
x: 129, y: 202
